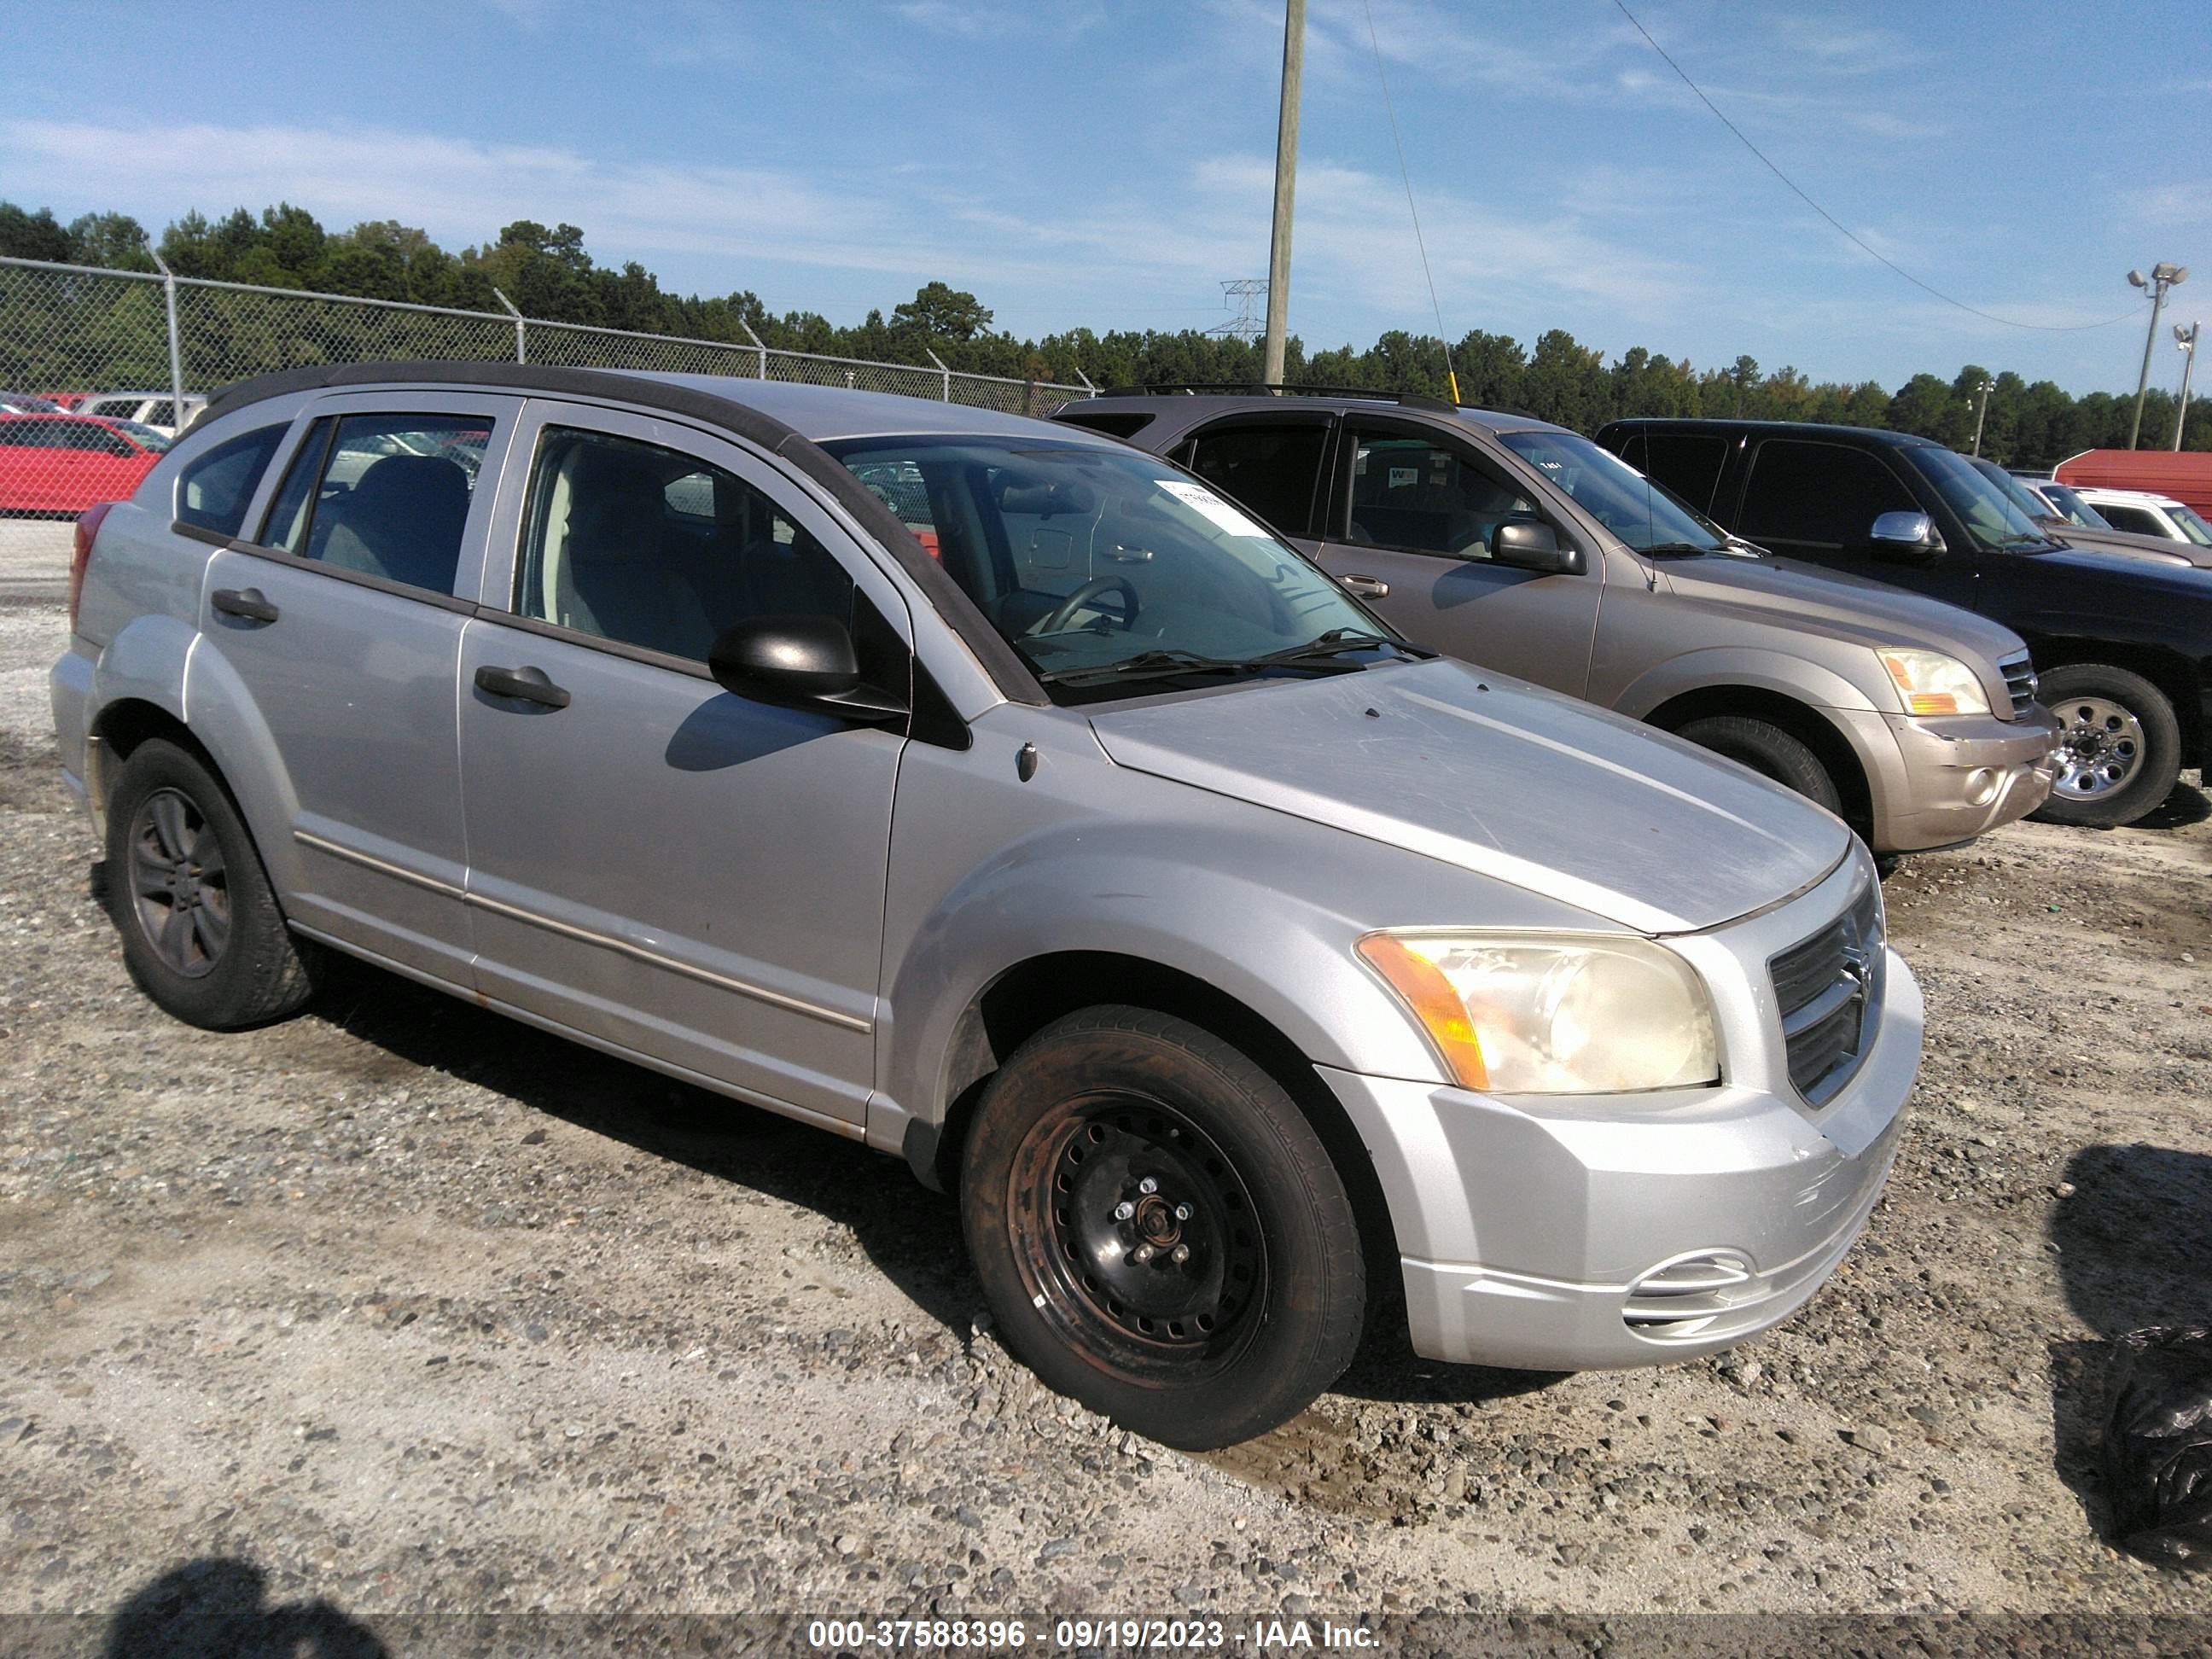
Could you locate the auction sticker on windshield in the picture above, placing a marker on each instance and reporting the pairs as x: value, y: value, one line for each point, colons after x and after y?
x: 1198, y: 496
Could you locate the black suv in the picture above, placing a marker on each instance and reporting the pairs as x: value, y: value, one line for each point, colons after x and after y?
x: 2124, y: 646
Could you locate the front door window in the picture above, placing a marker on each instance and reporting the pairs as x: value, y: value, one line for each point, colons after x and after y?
x: 649, y: 547
x: 1420, y: 496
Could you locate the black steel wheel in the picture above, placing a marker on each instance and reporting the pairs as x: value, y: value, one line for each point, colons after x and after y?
x: 1159, y: 1230
x: 1152, y: 1252
x: 202, y: 934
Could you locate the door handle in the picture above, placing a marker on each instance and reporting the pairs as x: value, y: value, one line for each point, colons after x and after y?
x: 527, y: 684
x: 1367, y: 588
x: 246, y: 603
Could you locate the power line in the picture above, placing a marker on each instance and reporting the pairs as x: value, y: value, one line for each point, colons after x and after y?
x: 2047, y: 328
x: 1375, y: 40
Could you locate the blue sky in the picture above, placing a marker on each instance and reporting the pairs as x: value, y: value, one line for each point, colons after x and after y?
x: 1080, y: 162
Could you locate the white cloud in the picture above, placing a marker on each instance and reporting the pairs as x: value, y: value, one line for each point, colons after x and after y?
x: 1349, y: 227
x: 2183, y: 202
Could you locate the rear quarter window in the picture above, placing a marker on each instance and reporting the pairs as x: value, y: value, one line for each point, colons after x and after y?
x: 213, y: 489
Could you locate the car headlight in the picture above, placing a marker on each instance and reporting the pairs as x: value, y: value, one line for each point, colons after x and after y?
x: 1565, y: 1014
x: 1933, y: 684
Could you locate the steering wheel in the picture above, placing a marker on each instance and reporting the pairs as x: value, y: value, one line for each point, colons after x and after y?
x: 1064, y: 612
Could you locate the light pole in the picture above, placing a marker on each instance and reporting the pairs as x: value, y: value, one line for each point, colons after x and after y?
x: 1982, y: 414
x: 2162, y: 277
x: 1287, y: 175
x: 2186, y: 339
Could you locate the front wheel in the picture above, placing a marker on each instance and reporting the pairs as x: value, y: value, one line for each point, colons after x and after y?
x: 2119, y: 745
x: 1159, y: 1230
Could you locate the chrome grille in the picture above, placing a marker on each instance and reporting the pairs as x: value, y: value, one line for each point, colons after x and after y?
x: 2020, y: 681
x: 1829, y: 991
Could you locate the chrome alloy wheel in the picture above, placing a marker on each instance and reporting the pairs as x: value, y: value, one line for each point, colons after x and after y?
x: 2100, y: 748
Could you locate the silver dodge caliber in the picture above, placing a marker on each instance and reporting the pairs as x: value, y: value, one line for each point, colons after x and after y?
x: 1003, y: 797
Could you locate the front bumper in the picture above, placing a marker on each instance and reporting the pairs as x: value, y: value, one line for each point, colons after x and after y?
x: 1937, y: 783
x: 1581, y: 1233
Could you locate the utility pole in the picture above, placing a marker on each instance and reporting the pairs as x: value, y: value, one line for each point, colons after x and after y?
x: 1287, y: 175
x: 1982, y: 414
x: 2186, y: 339
x: 2162, y: 277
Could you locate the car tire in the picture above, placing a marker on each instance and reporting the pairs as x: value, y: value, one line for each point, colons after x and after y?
x: 2120, y: 746
x: 202, y: 934
x: 1110, y: 1141
x: 1769, y: 751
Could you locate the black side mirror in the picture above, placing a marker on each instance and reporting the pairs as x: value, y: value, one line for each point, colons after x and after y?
x: 1532, y: 545
x: 798, y: 662
x: 1906, y: 538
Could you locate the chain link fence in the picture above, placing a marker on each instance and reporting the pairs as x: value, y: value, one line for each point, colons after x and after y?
x: 139, y: 352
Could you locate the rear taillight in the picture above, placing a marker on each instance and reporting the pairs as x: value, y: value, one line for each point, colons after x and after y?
x: 88, y: 527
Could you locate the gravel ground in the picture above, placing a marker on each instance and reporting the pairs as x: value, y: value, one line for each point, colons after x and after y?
x: 413, y: 1310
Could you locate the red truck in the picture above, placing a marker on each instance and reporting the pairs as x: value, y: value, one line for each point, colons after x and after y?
x: 2184, y: 474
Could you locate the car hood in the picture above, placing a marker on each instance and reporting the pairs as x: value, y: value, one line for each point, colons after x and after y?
x: 1499, y: 777
x: 2129, y: 544
x: 1841, y: 606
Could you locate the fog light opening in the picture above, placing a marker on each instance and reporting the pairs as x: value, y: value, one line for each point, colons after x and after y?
x: 1982, y: 786
x: 1683, y: 1296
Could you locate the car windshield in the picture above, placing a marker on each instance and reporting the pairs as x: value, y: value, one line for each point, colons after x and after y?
x: 2013, y: 490
x: 1990, y: 516
x: 2078, y: 511
x: 1638, y: 512
x: 2186, y: 519
x: 1105, y: 569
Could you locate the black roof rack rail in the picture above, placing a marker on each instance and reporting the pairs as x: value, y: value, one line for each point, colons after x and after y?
x: 1272, y: 388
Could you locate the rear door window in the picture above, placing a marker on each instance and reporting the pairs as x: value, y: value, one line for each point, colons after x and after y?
x: 213, y: 490
x: 382, y: 496
x: 1272, y: 470
x: 1819, y: 493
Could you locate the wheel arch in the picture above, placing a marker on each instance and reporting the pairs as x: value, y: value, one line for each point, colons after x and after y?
x: 1030, y: 995
x: 117, y: 731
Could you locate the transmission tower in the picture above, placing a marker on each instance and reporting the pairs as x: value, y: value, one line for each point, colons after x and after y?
x: 1248, y: 323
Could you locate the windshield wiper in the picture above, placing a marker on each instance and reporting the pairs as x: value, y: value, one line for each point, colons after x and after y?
x: 1146, y: 664
x: 1676, y: 550
x: 1312, y: 658
x: 1338, y: 641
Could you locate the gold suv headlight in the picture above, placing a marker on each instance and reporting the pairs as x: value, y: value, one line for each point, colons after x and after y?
x: 1933, y: 684
x: 1557, y: 1014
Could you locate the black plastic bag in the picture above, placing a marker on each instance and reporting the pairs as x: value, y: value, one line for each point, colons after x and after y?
x: 2157, y: 1444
